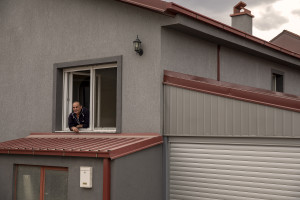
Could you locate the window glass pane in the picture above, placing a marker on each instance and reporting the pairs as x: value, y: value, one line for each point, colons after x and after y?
x: 279, y: 83
x: 56, y: 185
x: 105, y: 97
x: 81, y: 88
x: 28, y: 183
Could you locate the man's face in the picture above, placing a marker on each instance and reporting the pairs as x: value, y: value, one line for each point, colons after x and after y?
x: 76, y: 108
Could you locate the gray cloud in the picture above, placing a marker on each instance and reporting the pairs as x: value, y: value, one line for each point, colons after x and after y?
x: 296, y: 12
x: 270, y: 19
x: 218, y: 5
x: 220, y: 9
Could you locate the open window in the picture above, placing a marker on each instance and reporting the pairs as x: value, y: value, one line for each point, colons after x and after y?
x: 95, y: 87
x: 277, y: 81
x: 40, y: 183
x: 96, y: 84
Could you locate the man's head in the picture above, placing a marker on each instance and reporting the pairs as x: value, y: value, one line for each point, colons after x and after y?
x: 76, y: 107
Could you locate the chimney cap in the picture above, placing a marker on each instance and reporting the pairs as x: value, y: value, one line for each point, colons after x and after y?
x: 239, y: 9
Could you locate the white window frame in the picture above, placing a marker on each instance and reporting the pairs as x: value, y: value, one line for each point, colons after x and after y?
x: 67, y: 96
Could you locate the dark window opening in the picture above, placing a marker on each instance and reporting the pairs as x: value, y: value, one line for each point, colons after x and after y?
x: 81, y: 89
x: 277, y: 82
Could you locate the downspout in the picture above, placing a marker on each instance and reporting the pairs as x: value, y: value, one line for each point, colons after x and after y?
x: 218, y: 63
x: 106, y: 179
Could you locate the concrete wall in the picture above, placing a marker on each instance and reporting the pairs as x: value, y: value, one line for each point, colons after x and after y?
x: 138, y: 176
x: 195, y: 55
x: 185, y: 53
x: 242, y: 22
x: 37, y: 34
x: 246, y: 69
x: 133, y: 177
x: 242, y: 61
x: 73, y: 164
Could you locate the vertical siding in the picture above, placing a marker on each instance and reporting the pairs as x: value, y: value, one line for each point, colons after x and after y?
x: 191, y: 113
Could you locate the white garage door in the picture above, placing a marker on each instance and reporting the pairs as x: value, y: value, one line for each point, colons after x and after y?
x: 233, y: 171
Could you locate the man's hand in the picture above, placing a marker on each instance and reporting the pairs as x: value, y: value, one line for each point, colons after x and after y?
x: 79, y: 126
x: 75, y: 129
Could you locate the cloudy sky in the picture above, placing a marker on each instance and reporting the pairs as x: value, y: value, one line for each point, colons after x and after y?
x: 271, y: 17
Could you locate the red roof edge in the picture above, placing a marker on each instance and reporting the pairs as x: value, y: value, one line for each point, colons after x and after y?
x: 234, y: 91
x: 285, y: 32
x: 154, y: 5
x: 171, y: 9
x: 134, y: 148
x: 117, y: 145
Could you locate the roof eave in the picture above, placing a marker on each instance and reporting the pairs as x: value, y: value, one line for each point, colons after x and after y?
x: 172, y: 9
x: 116, y: 145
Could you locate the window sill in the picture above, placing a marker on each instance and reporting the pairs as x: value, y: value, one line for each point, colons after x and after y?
x: 108, y: 130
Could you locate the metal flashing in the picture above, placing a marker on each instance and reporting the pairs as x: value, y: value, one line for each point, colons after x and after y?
x: 234, y: 91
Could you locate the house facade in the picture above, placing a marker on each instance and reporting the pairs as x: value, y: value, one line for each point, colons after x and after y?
x: 223, y: 100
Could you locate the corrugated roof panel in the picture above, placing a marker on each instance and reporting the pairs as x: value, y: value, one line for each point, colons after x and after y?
x: 83, y: 144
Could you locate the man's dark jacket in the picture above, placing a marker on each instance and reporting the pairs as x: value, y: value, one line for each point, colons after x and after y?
x: 83, y: 119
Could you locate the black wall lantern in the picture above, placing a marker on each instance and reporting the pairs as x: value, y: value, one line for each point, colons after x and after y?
x: 137, y: 44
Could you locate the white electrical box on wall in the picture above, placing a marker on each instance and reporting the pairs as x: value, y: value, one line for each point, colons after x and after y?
x: 86, y: 175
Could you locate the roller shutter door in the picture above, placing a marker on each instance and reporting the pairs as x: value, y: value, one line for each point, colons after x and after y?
x: 233, y: 172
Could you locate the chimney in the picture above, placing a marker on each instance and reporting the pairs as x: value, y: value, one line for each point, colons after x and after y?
x: 241, y: 18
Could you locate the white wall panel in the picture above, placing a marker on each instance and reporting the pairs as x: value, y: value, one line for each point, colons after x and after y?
x: 191, y: 113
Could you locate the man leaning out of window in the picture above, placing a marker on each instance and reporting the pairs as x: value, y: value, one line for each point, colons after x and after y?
x: 79, y: 118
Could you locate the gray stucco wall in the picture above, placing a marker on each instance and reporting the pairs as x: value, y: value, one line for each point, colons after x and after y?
x: 138, y: 176
x: 73, y: 164
x: 196, y: 55
x: 246, y: 69
x: 185, y: 53
x: 37, y: 34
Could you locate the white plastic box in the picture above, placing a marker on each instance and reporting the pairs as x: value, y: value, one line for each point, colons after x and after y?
x: 86, y: 177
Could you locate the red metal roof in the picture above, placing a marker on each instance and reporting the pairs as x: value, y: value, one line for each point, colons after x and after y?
x: 288, y: 40
x: 234, y: 91
x: 83, y: 144
x: 172, y: 9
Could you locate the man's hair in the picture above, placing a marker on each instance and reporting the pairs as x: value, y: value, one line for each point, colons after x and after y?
x: 77, y: 102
